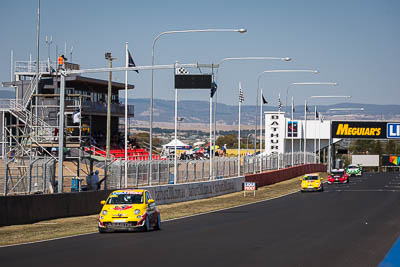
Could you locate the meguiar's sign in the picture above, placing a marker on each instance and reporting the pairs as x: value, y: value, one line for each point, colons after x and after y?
x: 359, y: 129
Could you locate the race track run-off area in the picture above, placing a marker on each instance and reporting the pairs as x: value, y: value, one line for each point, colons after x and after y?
x: 353, y: 224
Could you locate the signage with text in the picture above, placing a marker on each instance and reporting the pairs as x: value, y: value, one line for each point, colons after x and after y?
x: 393, y: 130
x: 359, y: 129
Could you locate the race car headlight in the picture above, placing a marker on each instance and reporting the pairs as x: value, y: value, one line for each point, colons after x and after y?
x: 137, y: 211
x: 104, y: 212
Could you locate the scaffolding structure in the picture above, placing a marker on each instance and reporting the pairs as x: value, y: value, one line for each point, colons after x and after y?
x: 30, y: 132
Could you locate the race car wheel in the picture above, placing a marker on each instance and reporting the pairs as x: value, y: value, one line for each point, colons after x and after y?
x: 102, y: 230
x: 158, y: 223
x: 146, y: 226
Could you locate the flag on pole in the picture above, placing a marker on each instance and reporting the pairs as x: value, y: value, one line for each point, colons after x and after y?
x: 293, y: 110
x: 321, y: 118
x: 131, y: 63
x: 263, y: 99
x: 214, y: 87
x: 241, y: 97
x: 279, y: 103
x: 316, y: 114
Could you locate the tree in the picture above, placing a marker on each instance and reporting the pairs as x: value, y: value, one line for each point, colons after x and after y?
x: 390, y: 147
x: 142, y: 140
x: 376, y: 148
x: 361, y: 146
x: 230, y: 140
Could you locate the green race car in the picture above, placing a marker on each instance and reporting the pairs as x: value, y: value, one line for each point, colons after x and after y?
x: 354, y: 170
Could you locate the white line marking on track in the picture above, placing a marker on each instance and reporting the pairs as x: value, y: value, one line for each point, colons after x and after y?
x: 180, y: 218
x: 41, y: 241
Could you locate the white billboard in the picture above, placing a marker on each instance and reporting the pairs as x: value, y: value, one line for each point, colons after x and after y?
x: 365, y: 160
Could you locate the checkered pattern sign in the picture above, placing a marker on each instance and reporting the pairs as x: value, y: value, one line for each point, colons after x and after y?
x: 181, y: 71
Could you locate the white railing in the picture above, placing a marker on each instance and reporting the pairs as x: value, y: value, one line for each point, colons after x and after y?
x: 30, y: 66
x: 28, y: 93
x: 7, y: 104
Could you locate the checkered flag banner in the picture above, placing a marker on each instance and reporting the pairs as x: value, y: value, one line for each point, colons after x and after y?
x: 181, y: 71
x: 279, y: 103
x: 241, y: 97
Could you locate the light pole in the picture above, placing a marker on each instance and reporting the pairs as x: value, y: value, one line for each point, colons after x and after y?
x: 330, y: 149
x: 108, y: 137
x: 346, y: 109
x: 330, y: 137
x: 258, y: 89
x: 305, y: 112
x: 48, y: 43
x: 152, y: 77
x: 287, y: 59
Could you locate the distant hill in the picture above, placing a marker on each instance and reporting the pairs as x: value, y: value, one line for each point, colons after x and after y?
x: 198, y: 111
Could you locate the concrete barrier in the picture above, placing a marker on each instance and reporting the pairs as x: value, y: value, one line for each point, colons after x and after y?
x: 276, y: 176
x: 166, y: 194
x: 33, y: 208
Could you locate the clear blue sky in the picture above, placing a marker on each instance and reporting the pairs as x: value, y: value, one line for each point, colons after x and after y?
x: 355, y: 43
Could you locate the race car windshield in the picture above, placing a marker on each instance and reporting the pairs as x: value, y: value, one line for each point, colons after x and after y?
x: 310, y: 178
x: 338, y: 173
x: 126, y: 199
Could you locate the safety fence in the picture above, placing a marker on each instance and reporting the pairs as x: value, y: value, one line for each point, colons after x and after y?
x: 162, y: 171
x: 39, y: 175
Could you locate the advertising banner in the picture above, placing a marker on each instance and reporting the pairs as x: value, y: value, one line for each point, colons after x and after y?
x: 359, y: 129
x: 391, y: 161
x: 393, y: 130
x: 291, y: 130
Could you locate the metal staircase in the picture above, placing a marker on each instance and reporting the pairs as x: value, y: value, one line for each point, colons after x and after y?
x: 29, y: 92
x: 28, y: 136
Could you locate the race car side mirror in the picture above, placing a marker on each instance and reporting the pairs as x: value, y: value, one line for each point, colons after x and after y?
x: 151, y: 201
x: 102, y: 202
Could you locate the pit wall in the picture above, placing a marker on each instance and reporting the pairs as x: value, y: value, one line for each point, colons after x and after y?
x: 276, y: 176
x: 33, y: 208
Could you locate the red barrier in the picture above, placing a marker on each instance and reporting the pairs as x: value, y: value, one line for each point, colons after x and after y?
x: 272, y: 177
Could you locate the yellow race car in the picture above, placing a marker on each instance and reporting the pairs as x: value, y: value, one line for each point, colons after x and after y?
x: 129, y: 209
x: 312, y: 182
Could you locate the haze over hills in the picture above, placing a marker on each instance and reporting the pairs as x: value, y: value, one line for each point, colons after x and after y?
x: 198, y: 111
x: 194, y: 111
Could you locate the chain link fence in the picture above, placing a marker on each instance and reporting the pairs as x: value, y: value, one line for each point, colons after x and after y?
x: 162, y: 171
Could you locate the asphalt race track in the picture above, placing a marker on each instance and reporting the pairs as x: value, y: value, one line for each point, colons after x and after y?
x: 353, y: 224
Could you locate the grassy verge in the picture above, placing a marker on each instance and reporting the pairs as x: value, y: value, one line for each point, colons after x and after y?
x: 87, y: 224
